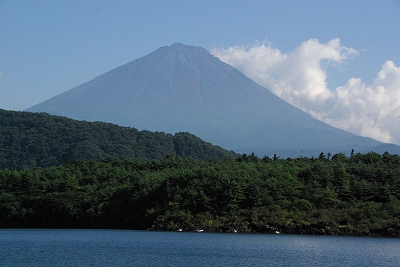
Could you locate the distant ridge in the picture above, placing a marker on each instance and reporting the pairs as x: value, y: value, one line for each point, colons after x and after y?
x: 181, y: 88
x: 391, y: 148
x: 30, y: 140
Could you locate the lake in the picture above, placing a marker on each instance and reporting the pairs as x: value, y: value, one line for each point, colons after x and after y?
x: 56, y: 247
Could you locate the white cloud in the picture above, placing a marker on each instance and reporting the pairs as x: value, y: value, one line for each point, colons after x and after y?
x: 1, y: 74
x: 299, y: 78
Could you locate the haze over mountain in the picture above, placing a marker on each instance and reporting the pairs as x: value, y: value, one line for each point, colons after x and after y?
x: 184, y: 88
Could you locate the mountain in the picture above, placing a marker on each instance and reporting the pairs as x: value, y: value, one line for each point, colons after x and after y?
x: 391, y: 148
x: 181, y: 88
x: 40, y: 140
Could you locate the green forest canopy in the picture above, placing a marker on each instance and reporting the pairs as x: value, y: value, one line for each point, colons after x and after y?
x: 29, y: 140
x: 356, y: 195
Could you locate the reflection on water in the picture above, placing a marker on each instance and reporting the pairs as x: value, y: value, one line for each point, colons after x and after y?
x: 146, y: 248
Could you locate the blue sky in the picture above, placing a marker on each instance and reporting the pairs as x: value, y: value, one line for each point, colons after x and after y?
x: 48, y: 47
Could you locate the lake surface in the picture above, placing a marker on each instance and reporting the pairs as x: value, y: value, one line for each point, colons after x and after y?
x: 32, y: 247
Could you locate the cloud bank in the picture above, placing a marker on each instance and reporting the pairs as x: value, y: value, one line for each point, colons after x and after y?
x: 300, y: 78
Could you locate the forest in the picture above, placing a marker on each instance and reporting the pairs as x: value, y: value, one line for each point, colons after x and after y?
x: 29, y: 140
x: 336, y: 194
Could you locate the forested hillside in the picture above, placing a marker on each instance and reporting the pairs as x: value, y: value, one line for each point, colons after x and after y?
x: 356, y: 195
x: 40, y: 140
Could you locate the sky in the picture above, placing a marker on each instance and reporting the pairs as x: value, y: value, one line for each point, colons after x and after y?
x: 337, y: 60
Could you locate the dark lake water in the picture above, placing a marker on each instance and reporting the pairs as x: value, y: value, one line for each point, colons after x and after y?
x: 32, y: 247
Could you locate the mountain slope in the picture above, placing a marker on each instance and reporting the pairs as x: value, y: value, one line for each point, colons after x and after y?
x: 40, y: 140
x: 184, y: 88
x: 391, y: 148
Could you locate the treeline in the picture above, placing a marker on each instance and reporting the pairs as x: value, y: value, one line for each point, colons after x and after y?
x: 355, y: 195
x: 29, y: 140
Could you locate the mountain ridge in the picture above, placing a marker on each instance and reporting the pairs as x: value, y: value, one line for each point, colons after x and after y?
x: 29, y: 140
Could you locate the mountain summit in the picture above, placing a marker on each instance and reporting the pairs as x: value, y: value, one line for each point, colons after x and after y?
x: 184, y: 88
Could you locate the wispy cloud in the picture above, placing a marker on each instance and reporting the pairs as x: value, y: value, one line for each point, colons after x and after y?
x: 299, y: 77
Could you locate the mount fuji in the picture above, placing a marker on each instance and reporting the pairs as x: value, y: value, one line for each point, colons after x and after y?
x: 181, y: 88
